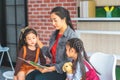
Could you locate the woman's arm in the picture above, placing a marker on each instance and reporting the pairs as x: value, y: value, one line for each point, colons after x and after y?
x: 47, y: 69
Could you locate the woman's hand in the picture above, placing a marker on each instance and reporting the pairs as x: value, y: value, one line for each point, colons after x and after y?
x: 51, y: 68
x: 47, y: 69
x: 40, y: 44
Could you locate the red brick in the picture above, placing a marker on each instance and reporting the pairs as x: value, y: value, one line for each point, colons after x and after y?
x: 32, y: 9
x: 47, y: 32
x: 40, y: 31
x: 39, y: 9
x: 54, y: 0
x: 62, y: 1
x: 46, y: 39
x: 51, y: 5
x: 43, y: 5
x: 39, y: 16
x: 32, y: 16
x: 36, y: 28
x: 71, y: 0
x: 43, y: 28
x: 44, y: 35
x: 73, y: 4
x: 47, y: 1
x: 36, y: 12
x: 47, y: 9
x: 32, y: 1
x: 47, y: 24
x: 59, y: 4
x: 43, y: 13
x: 36, y: 5
x: 66, y: 4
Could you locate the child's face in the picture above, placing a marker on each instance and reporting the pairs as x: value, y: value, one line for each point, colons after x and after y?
x: 70, y: 52
x: 31, y: 39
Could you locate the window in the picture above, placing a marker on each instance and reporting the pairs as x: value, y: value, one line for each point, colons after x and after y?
x: 15, y: 19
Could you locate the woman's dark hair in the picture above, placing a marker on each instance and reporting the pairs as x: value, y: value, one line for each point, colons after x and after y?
x: 77, y: 44
x: 63, y: 13
x: 23, y: 34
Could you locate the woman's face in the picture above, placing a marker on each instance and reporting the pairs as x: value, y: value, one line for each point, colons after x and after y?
x: 31, y: 39
x: 57, y: 21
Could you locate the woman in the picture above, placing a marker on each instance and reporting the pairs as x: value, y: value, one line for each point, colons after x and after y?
x: 56, y: 52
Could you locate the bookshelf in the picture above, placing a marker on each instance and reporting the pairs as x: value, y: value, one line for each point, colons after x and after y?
x: 100, y: 33
x: 96, y: 19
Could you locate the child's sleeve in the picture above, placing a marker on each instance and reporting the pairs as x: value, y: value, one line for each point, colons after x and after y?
x: 18, y: 62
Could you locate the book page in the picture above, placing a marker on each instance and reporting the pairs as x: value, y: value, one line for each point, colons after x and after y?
x: 32, y: 63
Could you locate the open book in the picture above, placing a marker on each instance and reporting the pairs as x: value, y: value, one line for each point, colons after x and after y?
x: 32, y: 63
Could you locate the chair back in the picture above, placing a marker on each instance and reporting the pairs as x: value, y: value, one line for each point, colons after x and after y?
x: 105, y: 64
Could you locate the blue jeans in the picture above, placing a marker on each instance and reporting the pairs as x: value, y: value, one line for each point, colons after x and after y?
x: 36, y: 75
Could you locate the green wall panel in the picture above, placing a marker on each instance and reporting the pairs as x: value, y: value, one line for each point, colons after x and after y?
x: 100, y: 12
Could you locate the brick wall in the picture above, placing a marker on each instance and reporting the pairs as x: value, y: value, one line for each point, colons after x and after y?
x: 39, y: 15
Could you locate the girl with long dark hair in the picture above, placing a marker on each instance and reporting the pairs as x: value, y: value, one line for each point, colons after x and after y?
x: 75, y: 50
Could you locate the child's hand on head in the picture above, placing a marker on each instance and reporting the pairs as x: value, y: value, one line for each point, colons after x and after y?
x: 40, y: 44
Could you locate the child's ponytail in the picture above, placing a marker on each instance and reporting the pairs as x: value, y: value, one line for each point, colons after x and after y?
x: 22, y: 38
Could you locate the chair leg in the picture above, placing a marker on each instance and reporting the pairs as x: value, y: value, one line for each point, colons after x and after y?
x: 1, y: 58
x: 10, y: 60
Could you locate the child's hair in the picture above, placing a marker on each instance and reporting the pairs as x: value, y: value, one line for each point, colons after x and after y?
x: 24, y: 32
x: 77, y: 44
x: 63, y: 13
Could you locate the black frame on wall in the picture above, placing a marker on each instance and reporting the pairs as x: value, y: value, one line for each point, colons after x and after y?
x: 2, y: 23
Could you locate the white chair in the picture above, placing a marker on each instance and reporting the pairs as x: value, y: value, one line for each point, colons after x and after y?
x: 105, y: 64
x: 7, y: 74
